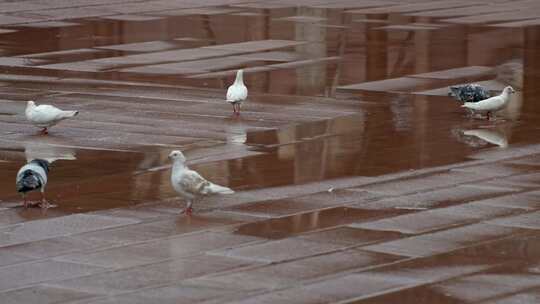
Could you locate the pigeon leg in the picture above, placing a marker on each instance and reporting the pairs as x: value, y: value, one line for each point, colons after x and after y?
x: 189, y: 209
x: 234, y: 108
x: 488, y: 118
x: 44, y: 131
x: 25, y: 201
x: 44, y: 203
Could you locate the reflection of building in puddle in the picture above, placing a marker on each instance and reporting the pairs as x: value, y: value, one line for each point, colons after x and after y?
x: 511, y: 73
x: 311, y: 77
x: 321, y: 149
x: 493, y: 136
x: 402, y: 112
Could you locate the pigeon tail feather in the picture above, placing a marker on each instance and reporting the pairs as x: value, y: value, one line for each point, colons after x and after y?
x: 217, y: 189
x: 68, y: 114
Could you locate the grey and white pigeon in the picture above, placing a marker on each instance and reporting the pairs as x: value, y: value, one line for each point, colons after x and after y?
x: 33, y: 176
x: 492, y: 104
x: 46, y: 116
x: 190, y: 184
x: 469, y: 93
x: 237, y: 92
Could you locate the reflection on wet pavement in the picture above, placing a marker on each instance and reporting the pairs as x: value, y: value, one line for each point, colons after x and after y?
x: 355, y: 172
x: 298, y: 223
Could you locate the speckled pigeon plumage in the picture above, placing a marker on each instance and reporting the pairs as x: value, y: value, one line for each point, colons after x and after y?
x: 469, y: 93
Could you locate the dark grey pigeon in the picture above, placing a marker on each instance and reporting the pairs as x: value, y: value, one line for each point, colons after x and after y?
x: 469, y: 93
x: 33, y: 176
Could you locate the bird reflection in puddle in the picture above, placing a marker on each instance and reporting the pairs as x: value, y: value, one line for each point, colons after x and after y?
x: 491, y: 136
x: 482, y: 136
x: 50, y: 153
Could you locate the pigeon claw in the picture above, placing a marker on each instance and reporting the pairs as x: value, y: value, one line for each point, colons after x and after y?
x: 187, y: 211
x: 44, y: 204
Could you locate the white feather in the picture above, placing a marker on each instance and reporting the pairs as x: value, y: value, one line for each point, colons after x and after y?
x: 238, y: 91
x: 491, y: 104
x: 34, y: 167
x: 46, y: 116
x: 217, y: 189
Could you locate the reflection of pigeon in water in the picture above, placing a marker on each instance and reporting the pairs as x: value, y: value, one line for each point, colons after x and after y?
x: 237, y: 92
x: 491, y: 136
x: 46, y: 116
x: 469, y: 93
x: 50, y: 153
x: 33, y: 176
x: 189, y: 184
x: 471, y: 141
x: 492, y: 104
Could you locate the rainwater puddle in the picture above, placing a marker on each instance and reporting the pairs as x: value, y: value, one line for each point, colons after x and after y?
x: 79, y: 180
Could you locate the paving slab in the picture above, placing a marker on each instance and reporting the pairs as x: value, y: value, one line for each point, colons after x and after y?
x: 155, y: 251
x: 131, y: 279
x: 149, y: 46
x: 350, y: 235
x: 412, y: 7
x: 480, y: 287
x: 437, y: 198
x: 396, y: 84
x: 443, y: 241
x: 173, y: 294
x: 496, y: 17
x: 463, y: 11
x: 276, y: 228
x: 326, y: 265
x: 528, y: 220
x: 60, y: 226
x: 279, y: 250
x: 42, y: 293
x: 20, y: 275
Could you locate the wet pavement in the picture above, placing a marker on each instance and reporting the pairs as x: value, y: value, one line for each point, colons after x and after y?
x: 357, y: 178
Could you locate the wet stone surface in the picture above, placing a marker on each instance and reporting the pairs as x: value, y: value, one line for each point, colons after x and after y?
x: 357, y: 178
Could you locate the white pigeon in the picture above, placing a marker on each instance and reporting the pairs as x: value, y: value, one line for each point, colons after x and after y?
x: 492, y: 104
x: 46, y: 116
x: 190, y: 184
x: 33, y: 176
x: 237, y: 92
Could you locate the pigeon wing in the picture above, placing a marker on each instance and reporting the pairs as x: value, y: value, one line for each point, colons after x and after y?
x: 236, y: 93
x: 193, y: 183
x: 46, y: 113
